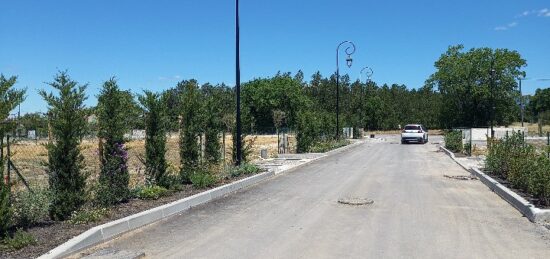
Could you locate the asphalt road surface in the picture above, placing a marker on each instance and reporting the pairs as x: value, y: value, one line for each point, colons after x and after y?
x: 417, y: 213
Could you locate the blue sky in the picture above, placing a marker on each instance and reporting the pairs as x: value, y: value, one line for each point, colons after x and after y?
x: 154, y: 44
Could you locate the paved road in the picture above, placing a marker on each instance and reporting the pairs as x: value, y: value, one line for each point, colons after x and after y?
x: 417, y: 213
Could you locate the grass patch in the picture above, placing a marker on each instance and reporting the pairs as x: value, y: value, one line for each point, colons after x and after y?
x: 245, y: 169
x: 19, y: 240
x: 151, y: 192
x: 86, y: 216
x: 327, y: 145
x: 203, y: 179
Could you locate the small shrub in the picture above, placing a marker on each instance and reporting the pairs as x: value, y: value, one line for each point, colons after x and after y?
x: 245, y: 169
x: 86, y: 216
x: 202, y: 179
x: 19, y: 240
x: 327, y: 145
x: 5, y: 209
x: 539, y: 179
x: 31, y: 207
x: 453, y: 141
x: 151, y: 192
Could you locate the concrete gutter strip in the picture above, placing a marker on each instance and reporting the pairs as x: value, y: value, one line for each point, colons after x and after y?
x: 107, y: 231
x: 529, y: 210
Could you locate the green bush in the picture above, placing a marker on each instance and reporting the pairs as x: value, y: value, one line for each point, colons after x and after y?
x: 5, y: 209
x: 67, y: 179
x: 19, y: 240
x: 327, y: 145
x: 520, y: 164
x: 155, y: 137
x: 201, y: 179
x: 453, y: 141
x: 113, y: 113
x: 539, y: 179
x: 151, y: 192
x: 244, y: 169
x: 31, y: 207
x: 86, y: 216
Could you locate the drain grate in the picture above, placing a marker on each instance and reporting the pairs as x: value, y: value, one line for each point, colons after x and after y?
x: 461, y: 177
x: 355, y: 201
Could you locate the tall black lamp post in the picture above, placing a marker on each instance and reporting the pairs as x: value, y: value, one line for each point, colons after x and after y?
x: 238, y: 150
x: 368, y: 72
x: 349, y: 51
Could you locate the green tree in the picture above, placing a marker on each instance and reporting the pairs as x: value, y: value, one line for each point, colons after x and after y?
x: 114, y: 117
x: 213, y: 114
x: 9, y: 99
x: 65, y: 162
x: 190, y: 129
x: 467, y: 89
x: 155, y: 138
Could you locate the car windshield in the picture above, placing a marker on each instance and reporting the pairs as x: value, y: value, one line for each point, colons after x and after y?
x: 412, y: 127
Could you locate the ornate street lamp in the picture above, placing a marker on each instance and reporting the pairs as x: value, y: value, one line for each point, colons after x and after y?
x: 349, y: 51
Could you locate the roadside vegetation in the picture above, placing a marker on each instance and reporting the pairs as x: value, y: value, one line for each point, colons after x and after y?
x: 456, y: 95
x: 453, y: 141
x: 522, y: 166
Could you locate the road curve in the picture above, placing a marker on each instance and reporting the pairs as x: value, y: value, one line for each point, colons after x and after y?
x: 417, y: 213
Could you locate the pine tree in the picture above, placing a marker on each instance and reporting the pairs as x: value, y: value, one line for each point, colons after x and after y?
x: 155, y: 138
x: 113, y: 119
x: 9, y: 99
x: 65, y: 162
x: 190, y: 130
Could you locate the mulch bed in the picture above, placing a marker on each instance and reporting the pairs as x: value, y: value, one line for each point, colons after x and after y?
x: 51, y: 234
x: 535, y: 201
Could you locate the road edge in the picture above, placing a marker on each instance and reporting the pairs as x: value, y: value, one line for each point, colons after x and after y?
x: 534, y: 214
x: 110, y: 230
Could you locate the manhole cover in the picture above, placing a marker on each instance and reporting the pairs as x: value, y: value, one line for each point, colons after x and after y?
x: 355, y: 201
x: 460, y: 177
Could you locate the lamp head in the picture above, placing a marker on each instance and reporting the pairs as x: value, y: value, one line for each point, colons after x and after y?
x: 349, y: 61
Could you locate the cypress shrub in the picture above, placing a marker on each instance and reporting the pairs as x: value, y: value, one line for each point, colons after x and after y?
x: 155, y: 139
x: 112, y: 119
x: 65, y: 162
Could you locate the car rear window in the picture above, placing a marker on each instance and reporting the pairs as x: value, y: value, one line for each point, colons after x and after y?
x: 412, y: 127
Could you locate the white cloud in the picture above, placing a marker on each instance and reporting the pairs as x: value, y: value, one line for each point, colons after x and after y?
x: 543, y: 12
x: 501, y: 28
x: 169, y: 78
x: 525, y: 13
x: 512, y: 24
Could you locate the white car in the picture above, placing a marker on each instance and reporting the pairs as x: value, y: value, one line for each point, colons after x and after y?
x: 414, y: 133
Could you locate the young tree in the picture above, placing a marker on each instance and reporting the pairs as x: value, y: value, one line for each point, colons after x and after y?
x: 65, y: 162
x: 155, y: 138
x: 190, y: 129
x: 9, y: 99
x: 113, y: 119
x: 213, y: 112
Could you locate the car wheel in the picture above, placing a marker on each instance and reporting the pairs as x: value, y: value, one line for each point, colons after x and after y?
x: 403, y: 142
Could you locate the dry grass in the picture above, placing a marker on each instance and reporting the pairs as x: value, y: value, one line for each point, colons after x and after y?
x: 30, y: 157
x: 532, y: 128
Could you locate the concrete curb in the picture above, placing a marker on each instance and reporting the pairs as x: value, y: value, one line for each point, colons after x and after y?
x: 529, y: 210
x: 110, y: 230
x: 533, y: 213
